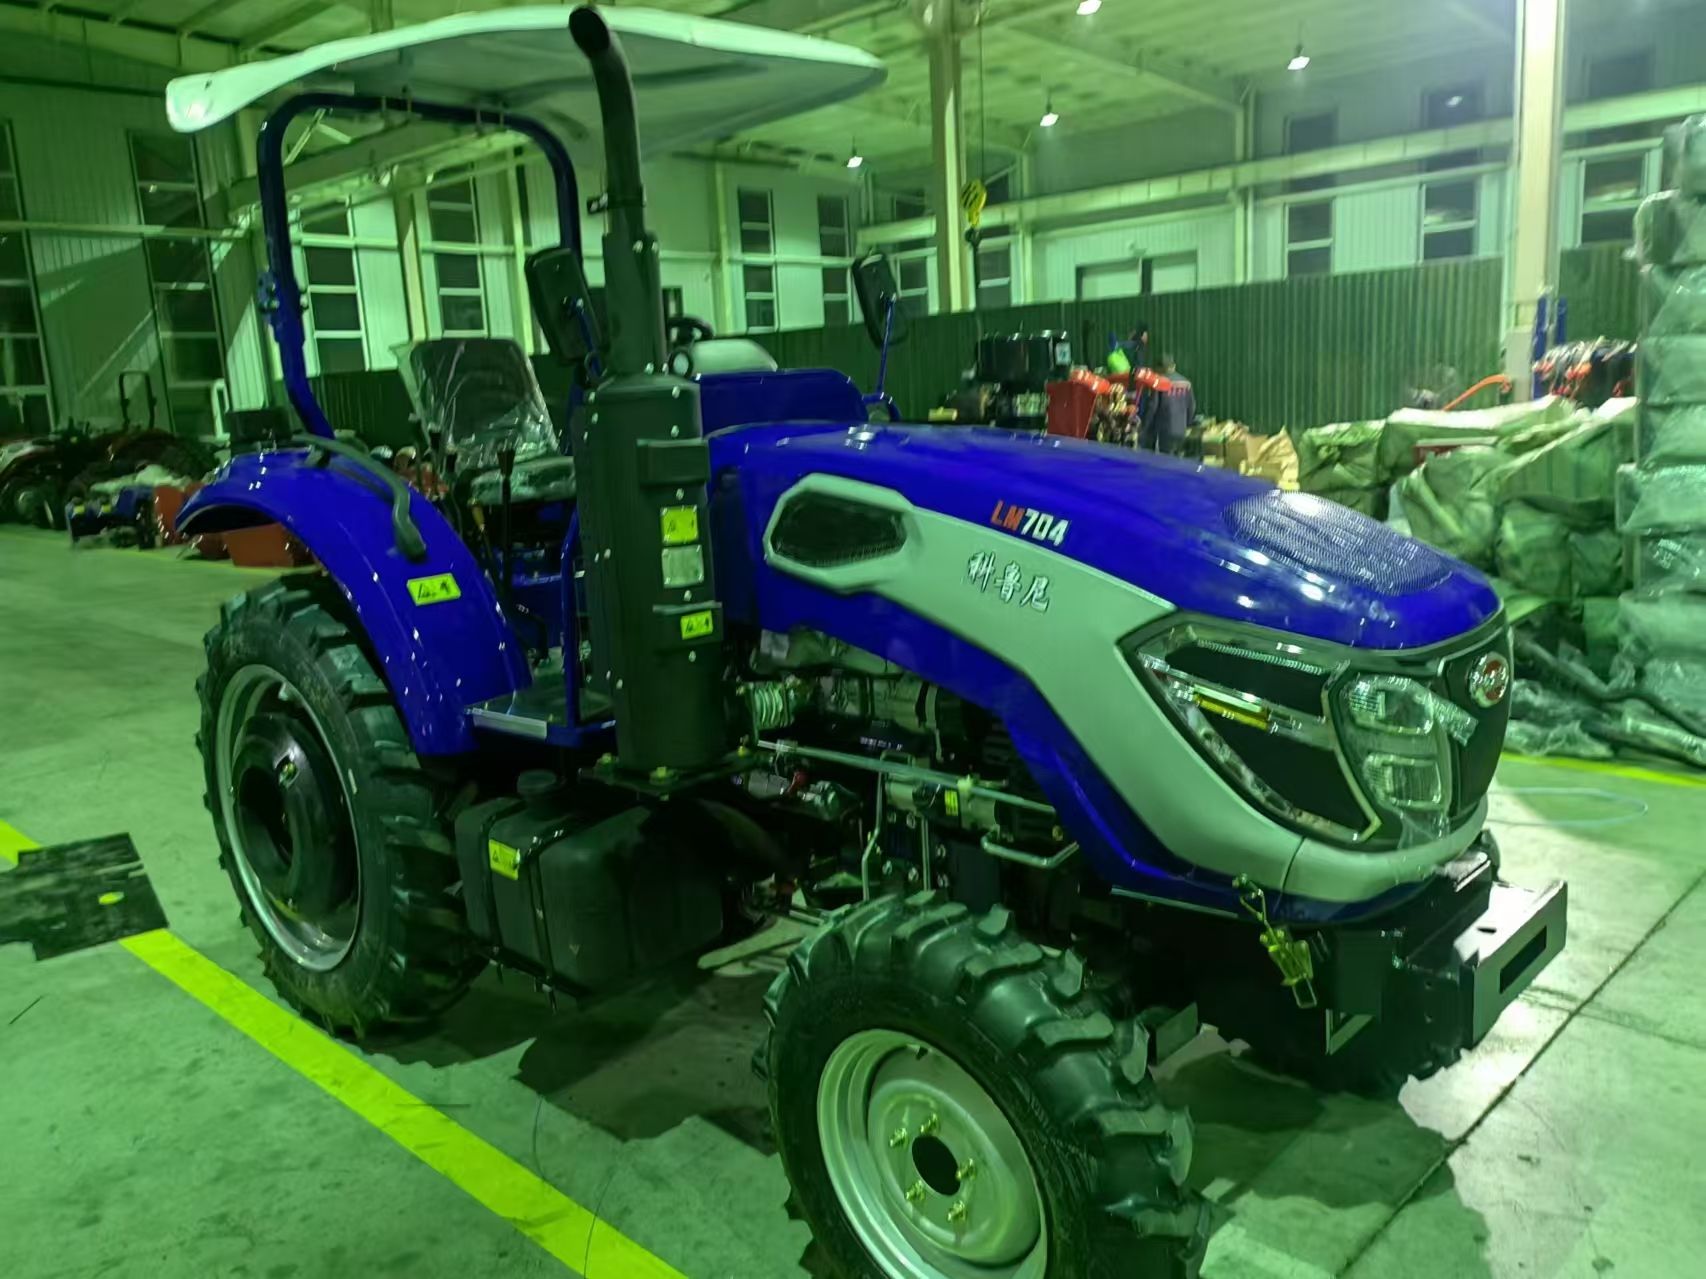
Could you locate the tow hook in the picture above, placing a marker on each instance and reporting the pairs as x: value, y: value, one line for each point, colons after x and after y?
x: 1291, y: 956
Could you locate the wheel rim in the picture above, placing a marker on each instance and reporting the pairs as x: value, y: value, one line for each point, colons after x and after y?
x: 928, y: 1169
x: 285, y: 809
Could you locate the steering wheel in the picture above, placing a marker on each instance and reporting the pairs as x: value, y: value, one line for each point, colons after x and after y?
x: 684, y: 330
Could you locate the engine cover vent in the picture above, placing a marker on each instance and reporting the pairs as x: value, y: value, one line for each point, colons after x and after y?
x: 821, y: 531
x: 1320, y: 536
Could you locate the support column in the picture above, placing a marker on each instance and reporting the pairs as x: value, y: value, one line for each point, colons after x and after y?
x: 948, y: 172
x: 1024, y: 243
x: 722, y: 286
x: 1243, y: 197
x: 409, y: 256
x: 519, y: 300
x: 1533, y: 263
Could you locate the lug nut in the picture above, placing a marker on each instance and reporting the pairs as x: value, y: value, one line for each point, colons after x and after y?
x: 916, y: 1191
x: 897, y: 1139
x: 957, y: 1211
x: 968, y: 1172
x: 287, y: 772
x: 929, y: 1127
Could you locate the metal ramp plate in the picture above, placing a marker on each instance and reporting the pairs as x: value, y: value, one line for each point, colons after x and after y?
x: 540, y: 712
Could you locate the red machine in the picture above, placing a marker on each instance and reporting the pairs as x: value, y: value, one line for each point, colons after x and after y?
x: 1086, y: 405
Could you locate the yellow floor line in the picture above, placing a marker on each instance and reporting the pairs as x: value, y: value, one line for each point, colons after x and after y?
x: 1630, y: 771
x: 569, y: 1232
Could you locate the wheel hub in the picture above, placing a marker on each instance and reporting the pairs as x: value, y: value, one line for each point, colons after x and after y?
x: 285, y: 808
x: 291, y: 813
x: 930, y: 1172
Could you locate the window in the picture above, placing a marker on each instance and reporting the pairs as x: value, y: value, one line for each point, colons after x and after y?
x: 759, y: 285
x: 1618, y: 76
x: 1612, y: 187
x: 24, y: 401
x: 995, y: 273
x: 1447, y: 109
x: 912, y: 277
x: 453, y: 219
x: 333, y: 290
x: 757, y: 222
x: 910, y: 205
x: 834, y: 228
x: 1448, y: 219
x: 1309, y: 238
x: 837, y: 302
x: 180, y: 277
x: 1305, y: 133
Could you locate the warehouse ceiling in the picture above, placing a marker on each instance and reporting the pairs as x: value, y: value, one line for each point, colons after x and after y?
x: 1131, y: 60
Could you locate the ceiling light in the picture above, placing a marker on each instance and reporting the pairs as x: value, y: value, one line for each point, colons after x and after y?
x: 1455, y: 100
x: 1299, y: 60
x: 854, y: 161
x: 1050, y: 116
x: 1087, y: 7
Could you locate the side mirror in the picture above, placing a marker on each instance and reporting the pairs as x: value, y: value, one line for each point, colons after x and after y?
x: 873, y: 282
x: 563, y: 304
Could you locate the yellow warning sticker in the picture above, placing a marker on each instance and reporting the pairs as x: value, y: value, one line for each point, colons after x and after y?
x: 437, y: 589
x: 503, y: 859
x: 951, y: 802
x: 694, y: 625
x: 680, y: 525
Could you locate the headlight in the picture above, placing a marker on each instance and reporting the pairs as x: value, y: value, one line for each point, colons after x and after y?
x: 1398, y: 733
x: 1355, y: 757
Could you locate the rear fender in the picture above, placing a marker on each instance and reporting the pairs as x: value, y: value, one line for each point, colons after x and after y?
x: 439, y: 655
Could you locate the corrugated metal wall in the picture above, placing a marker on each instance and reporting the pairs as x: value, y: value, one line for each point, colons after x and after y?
x: 97, y: 309
x: 1600, y: 284
x: 1298, y: 352
x: 1303, y: 351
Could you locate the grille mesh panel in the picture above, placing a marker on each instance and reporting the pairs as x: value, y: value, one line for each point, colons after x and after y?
x: 1320, y: 536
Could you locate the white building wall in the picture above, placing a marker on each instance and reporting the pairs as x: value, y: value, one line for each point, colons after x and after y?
x: 1376, y: 229
x: 1059, y: 253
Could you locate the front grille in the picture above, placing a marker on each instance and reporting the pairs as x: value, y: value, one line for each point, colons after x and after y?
x: 1320, y: 536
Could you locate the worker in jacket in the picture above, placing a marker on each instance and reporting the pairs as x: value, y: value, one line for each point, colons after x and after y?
x: 1168, y: 414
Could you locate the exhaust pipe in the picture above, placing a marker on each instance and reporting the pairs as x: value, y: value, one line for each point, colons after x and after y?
x: 656, y: 623
x: 633, y: 292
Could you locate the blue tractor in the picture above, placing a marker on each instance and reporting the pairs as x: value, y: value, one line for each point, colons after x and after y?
x: 1057, y: 747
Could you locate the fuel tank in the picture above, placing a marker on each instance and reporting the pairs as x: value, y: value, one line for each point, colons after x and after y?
x: 1197, y: 537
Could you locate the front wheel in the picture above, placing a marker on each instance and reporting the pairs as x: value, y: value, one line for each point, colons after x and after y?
x: 331, y: 829
x: 951, y: 1102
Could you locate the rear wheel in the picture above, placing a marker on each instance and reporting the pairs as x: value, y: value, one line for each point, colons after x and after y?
x: 331, y: 829
x: 951, y: 1102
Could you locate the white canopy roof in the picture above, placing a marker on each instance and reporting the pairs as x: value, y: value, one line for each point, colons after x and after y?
x: 694, y: 78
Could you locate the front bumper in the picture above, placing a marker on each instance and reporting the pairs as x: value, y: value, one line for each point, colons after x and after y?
x: 1452, y: 959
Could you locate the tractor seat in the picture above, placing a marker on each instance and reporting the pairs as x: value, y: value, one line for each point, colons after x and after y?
x: 730, y: 355
x: 479, y: 396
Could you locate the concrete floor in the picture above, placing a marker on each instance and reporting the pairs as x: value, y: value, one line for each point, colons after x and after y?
x: 142, y: 1135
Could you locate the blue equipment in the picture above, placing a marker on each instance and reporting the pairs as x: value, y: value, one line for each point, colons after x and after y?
x: 998, y: 713
x: 129, y: 514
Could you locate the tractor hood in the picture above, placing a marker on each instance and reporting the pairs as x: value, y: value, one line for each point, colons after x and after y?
x: 1199, y: 538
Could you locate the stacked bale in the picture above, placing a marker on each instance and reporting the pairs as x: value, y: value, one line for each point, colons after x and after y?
x: 1661, y: 498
